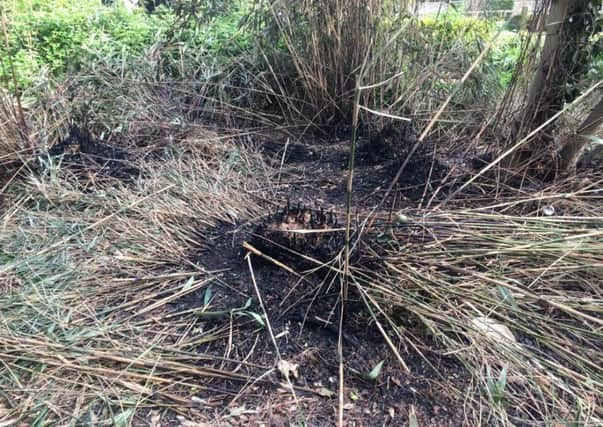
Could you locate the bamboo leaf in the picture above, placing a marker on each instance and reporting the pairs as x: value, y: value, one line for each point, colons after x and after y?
x: 375, y: 371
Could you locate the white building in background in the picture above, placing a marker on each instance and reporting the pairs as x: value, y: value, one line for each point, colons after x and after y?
x: 130, y: 4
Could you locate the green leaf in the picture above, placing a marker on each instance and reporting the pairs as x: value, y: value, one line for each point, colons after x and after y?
x: 489, y: 380
x: 507, y: 297
x: 40, y: 420
x: 375, y: 371
x: 207, y: 296
x: 497, y: 389
x: 188, y: 283
x: 258, y: 318
x: 502, y: 379
x: 124, y: 418
x: 412, y: 420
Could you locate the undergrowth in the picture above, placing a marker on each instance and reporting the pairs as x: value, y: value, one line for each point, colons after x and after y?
x: 49, y: 40
x: 91, y: 266
x: 512, y: 293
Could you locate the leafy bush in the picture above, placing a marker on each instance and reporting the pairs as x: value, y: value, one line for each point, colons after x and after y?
x: 58, y: 36
x: 452, y: 29
x: 321, y: 58
x: 460, y: 39
x: 199, y: 11
x: 51, y: 39
x: 504, y: 57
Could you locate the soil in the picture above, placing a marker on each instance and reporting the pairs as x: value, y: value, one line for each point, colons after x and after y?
x: 86, y: 155
x: 315, y: 172
x: 303, y: 313
x: 303, y: 310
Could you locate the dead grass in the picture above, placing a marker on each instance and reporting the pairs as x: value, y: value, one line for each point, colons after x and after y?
x: 91, y: 271
x: 14, y: 148
x: 92, y: 268
x: 311, y: 77
x: 452, y: 281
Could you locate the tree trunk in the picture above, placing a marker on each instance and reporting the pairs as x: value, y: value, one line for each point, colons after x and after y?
x: 564, y: 61
x: 543, y: 97
x: 573, y: 146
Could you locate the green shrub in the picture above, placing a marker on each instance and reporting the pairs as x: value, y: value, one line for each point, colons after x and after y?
x: 456, y: 41
x: 58, y: 36
x: 194, y: 11
x: 472, y: 34
x: 452, y: 29
x: 504, y: 57
x: 431, y: 53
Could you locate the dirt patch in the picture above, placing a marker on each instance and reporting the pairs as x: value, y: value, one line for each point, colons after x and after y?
x: 302, y: 314
x: 315, y: 172
x: 87, y: 155
x: 302, y: 311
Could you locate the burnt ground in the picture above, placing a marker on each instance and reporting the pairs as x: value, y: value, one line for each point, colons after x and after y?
x: 303, y: 310
x: 303, y: 313
x: 87, y: 156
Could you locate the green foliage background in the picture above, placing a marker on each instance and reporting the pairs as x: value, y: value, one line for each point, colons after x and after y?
x: 52, y: 39
x: 49, y: 39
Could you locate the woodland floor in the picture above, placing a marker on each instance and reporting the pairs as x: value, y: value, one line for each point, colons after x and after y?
x: 302, y: 309
x: 315, y: 175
